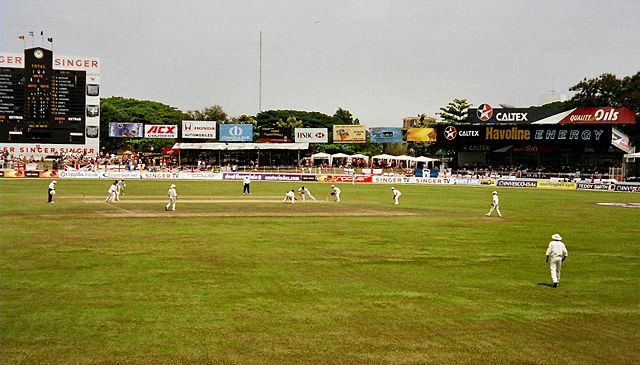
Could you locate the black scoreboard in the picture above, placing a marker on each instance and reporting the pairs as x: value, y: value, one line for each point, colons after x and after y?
x: 40, y: 104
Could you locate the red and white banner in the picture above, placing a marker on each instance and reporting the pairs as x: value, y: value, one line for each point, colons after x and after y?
x: 160, y: 131
x: 312, y: 135
x: 199, y: 129
x: 592, y: 115
x: 621, y: 140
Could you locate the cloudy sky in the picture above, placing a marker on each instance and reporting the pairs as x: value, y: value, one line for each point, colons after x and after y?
x: 381, y: 60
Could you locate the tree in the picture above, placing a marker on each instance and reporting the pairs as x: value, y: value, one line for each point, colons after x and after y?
x: 608, y: 90
x: 604, y: 90
x: 271, y: 118
x: 455, y: 112
x: 343, y: 116
x: 119, y: 110
x: 214, y: 113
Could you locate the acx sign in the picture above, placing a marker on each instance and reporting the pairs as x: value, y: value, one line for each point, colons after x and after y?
x: 160, y: 131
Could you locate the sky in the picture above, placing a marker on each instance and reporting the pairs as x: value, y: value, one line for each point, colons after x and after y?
x: 381, y: 60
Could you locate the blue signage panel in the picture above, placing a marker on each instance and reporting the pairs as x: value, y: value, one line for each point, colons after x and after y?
x: 236, y: 132
x: 385, y: 135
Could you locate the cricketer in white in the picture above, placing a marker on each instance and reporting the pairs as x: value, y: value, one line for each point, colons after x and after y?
x: 558, y: 253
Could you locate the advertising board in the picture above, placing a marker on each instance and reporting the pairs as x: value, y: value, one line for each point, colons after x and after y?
x: 517, y: 183
x: 236, y: 132
x: 385, y: 135
x: 421, y: 135
x: 557, y: 185
x: 201, y: 129
x: 312, y: 135
x: 126, y: 130
x: 349, y: 133
x: 160, y: 131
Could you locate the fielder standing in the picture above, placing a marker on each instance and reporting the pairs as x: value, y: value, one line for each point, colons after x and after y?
x: 396, y: 195
x: 173, y: 196
x: 495, y: 204
x: 246, y: 185
x: 304, y: 192
x: 113, y: 191
x: 290, y: 196
x: 120, y: 189
x: 52, y: 190
x: 335, y: 192
x: 558, y: 253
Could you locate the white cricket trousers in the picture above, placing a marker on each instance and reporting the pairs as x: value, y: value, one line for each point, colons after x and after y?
x: 304, y: 196
x: 555, y: 265
x: 111, y: 197
x: 172, y: 204
x: 497, y: 208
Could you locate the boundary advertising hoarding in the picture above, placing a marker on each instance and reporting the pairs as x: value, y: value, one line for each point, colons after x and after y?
x: 202, y: 129
x: 262, y: 176
x: 556, y: 185
x: 236, y: 132
x: 349, y: 133
x: 58, y: 112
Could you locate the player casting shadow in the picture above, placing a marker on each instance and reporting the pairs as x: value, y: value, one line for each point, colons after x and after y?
x: 545, y: 284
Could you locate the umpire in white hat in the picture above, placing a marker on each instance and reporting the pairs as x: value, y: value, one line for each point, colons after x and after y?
x: 557, y: 252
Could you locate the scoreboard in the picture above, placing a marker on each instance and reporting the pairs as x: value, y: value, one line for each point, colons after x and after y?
x: 48, y: 105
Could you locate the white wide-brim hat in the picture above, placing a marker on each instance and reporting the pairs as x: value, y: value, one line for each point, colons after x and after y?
x: 556, y: 237
x: 392, y: 188
x: 172, y: 186
x: 494, y: 192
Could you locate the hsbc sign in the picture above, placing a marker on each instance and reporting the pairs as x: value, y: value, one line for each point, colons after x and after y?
x: 160, y: 131
x: 312, y: 135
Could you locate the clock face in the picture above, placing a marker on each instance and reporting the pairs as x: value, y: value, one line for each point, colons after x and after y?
x: 38, y: 53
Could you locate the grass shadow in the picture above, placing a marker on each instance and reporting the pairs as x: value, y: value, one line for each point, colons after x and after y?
x: 546, y: 284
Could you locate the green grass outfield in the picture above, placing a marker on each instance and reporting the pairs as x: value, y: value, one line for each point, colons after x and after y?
x: 233, y: 279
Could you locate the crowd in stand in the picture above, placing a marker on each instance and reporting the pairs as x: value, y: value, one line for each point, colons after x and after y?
x: 136, y: 162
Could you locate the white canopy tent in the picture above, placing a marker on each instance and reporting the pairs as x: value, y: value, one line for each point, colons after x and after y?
x: 403, y: 158
x: 382, y: 157
x: 358, y: 155
x: 337, y: 155
x: 320, y: 156
x: 426, y: 160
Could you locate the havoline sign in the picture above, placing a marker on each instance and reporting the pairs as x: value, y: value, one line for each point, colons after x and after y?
x: 532, y: 134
